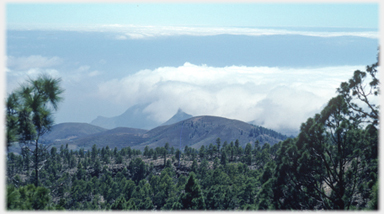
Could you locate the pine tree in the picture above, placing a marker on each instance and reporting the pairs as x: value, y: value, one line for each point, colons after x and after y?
x: 218, y: 142
x: 119, y: 204
x: 192, y: 198
x: 29, y: 113
x: 223, y: 159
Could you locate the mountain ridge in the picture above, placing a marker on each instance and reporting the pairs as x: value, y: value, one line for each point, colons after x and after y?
x: 193, y: 132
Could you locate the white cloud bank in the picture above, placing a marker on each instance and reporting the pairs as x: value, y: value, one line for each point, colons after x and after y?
x: 276, y: 98
x: 142, y: 32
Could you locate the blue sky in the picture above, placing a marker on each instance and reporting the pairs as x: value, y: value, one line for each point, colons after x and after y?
x: 274, y: 64
x: 352, y: 15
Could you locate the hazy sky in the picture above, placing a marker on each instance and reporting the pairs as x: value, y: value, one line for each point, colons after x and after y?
x: 275, y: 64
x: 211, y: 15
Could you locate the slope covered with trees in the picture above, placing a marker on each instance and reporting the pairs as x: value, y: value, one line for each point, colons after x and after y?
x: 331, y: 165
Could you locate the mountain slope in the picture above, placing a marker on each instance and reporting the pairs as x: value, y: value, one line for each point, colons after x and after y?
x: 193, y: 132
x: 119, y: 137
x: 203, y: 130
x: 67, y: 131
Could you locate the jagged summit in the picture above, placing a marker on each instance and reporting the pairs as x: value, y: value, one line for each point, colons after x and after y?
x: 179, y: 116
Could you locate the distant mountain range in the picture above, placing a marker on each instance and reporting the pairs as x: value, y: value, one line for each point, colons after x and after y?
x: 193, y: 132
x: 136, y: 117
x: 133, y: 117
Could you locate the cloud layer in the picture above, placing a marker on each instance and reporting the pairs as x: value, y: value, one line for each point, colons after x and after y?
x: 276, y: 98
x: 273, y: 97
x: 142, y: 32
x: 34, y: 61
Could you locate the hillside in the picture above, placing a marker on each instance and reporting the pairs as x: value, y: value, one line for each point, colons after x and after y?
x: 203, y: 130
x: 68, y: 131
x: 119, y: 137
x: 193, y: 132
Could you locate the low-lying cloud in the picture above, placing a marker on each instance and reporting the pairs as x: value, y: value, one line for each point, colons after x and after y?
x: 143, y: 32
x: 273, y: 97
x: 277, y: 98
x: 32, y: 62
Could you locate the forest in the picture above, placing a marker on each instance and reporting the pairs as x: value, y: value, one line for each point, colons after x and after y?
x: 331, y: 165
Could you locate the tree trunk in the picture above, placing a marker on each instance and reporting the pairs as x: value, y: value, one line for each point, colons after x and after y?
x: 37, y: 162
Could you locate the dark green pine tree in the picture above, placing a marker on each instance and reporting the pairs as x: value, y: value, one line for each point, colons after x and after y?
x: 194, y: 166
x: 138, y: 168
x: 218, y: 143
x: 326, y: 166
x: 223, y: 159
x: 119, y: 204
x: 164, y: 153
x: 202, y: 152
x: 248, y: 154
x: 30, y: 113
x: 192, y: 198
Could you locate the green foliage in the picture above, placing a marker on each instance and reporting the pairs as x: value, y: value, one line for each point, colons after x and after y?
x: 119, y: 204
x: 138, y: 168
x: 192, y: 198
x: 218, y: 143
x: 28, y: 198
x: 334, y: 138
x: 223, y: 159
x: 29, y: 112
x: 374, y: 202
x: 119, y: 159
x: 259, y: 130
x: 358, y: 90
x: 216, y: 163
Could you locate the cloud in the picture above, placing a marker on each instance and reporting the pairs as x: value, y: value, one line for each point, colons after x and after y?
x: 16, y: 78
x: 94, y: 73
x: 121, y: 37
x: 20, y: 69
x: 285, y: 108
x: 83, y: 68
x: 142, y: 32
x: 33, y: 61
x: 278, y: 98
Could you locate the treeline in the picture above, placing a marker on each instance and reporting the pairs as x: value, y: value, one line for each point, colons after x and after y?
x: 226, y: 177
x: 120, y: 179
x: 259, y: 130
